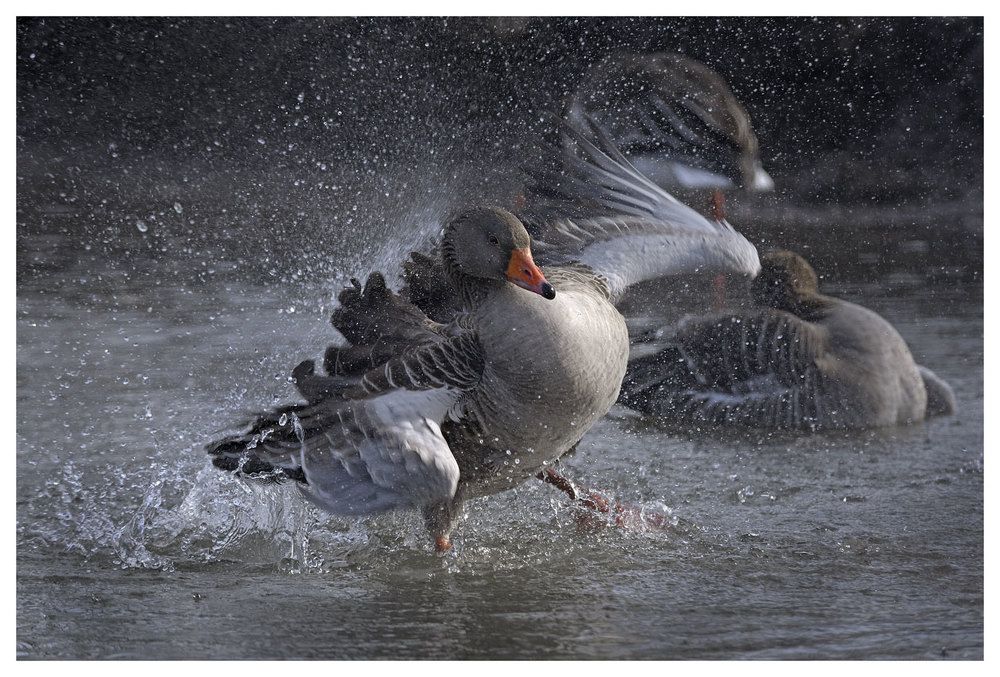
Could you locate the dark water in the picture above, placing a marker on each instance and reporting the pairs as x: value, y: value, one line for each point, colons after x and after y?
x: 857, y: 545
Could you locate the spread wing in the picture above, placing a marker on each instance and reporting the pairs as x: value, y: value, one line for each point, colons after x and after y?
x: 377, y: 324
x: 426, y: 286
x: 600, y: 211
x: 375, y: 444
x: 757, y: 368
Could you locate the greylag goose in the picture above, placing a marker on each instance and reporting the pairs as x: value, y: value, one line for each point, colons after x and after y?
x: 800, y: 360
x: 416, y: 414
x: 676, y: 119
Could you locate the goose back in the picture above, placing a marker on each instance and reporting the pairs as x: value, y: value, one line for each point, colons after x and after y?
x: 809, y: 361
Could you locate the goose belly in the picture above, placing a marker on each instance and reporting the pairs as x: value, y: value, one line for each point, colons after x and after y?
x: 553, y: 369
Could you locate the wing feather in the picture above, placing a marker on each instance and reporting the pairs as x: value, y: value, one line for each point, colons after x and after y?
x: 756, y: 368
x: 374, y: 445
x: 599, y: 210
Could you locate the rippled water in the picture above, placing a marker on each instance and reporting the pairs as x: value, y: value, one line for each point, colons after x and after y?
x: 859, y: 545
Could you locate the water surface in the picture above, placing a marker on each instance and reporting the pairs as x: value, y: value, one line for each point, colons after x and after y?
x: 846, y: 545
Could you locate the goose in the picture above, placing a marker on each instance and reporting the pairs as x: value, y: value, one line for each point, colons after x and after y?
x: 675, y: 118
x: 799, y: 360
x: 415, y: 414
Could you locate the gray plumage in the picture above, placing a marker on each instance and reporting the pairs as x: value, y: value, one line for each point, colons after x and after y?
x: 676, y: 118
x: 588, y: 204
x: 800, y: 360
x: 415, y: 413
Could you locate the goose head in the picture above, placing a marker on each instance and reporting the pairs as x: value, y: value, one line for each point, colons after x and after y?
x: 786, y: 282
x: 489, y: 243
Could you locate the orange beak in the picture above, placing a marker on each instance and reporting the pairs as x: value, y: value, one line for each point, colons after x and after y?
x: 523, y: 272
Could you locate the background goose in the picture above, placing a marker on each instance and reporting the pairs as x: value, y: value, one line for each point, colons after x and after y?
x: 800, y: 360
x: 675, y: 118
x: 419, y: 414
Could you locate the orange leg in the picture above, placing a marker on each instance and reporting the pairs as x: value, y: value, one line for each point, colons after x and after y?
x: 717, y: 205
x: 625, y: 514
x: 717, y: 209
x: 719, y: 291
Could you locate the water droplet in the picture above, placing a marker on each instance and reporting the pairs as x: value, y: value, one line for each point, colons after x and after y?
x: 283, y: 420
x: 141, y: 225
x: 178, y: 208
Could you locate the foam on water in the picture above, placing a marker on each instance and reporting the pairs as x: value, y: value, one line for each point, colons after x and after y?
x: 169, y: 515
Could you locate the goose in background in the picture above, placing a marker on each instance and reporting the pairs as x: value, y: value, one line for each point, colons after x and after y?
x: 680, y: 124
x: 799, y: 360
x: 676, y: 119
x: 414, y: 413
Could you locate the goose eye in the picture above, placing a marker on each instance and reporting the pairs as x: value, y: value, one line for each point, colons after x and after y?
x: 494, y: 240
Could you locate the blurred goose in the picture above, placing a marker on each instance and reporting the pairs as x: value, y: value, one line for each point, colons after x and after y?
x: 675, y: 118
x: 416, y: 414
x: 800, y: 360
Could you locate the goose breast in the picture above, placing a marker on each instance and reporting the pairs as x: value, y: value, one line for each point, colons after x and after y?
x: 553, y: 366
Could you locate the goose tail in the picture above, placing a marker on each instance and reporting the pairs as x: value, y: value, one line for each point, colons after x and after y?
x: 940, y: 397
